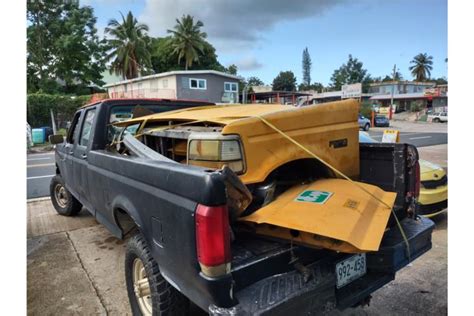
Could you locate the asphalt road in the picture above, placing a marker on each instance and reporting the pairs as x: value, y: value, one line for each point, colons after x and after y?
x: 39, y: 171
x: 40, y: 167
x: 417, y: 139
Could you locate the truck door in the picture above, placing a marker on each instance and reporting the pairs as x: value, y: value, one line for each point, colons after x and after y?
x: 80, y: 165
x: 66, y: 155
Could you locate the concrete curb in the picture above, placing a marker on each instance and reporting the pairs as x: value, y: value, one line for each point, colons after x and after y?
x: 45, y: 198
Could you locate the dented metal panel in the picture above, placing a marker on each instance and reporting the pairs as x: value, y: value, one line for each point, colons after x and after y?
x: 328, y: 213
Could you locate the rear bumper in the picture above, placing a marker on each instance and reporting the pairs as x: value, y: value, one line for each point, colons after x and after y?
x: 288, y: 293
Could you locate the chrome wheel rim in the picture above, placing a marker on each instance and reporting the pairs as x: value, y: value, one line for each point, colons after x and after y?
x: 141, y: 287
x: 61, y: 196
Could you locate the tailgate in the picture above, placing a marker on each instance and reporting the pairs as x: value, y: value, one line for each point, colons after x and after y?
x: 327, y: 213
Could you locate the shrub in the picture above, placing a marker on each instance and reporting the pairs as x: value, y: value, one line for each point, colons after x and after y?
x: 414, y: 107
x: 366, y: 109
x: 39, y: 106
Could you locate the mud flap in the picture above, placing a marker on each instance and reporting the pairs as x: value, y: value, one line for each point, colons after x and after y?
x: 328, y: 213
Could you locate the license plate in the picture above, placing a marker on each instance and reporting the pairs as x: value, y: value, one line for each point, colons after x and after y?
x: 350, y: 269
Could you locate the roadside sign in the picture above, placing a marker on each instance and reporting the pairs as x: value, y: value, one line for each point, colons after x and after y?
x: 391, y: 136
x: 318, y: 197
x: 351, y: 90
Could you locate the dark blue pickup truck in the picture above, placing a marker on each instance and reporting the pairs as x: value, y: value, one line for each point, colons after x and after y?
x: 176, y: 217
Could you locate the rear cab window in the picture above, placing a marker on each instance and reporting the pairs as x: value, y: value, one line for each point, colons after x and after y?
x: 119, y: 113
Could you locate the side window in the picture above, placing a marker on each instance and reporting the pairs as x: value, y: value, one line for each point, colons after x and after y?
x: 200, y: 84
x: 73, y: 128
x: 87, y: 128
x: 230, y: 87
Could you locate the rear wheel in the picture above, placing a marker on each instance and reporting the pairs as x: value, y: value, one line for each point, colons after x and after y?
x: 366, y: 127
x: 436, y: 120
x: 63, y: 201
x: 148, y: 292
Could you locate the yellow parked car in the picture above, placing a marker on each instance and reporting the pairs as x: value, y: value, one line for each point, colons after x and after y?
x: 434, y: 183
x: 434, y: 188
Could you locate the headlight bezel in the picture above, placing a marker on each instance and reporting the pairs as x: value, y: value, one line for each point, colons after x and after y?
x: 220, y: 140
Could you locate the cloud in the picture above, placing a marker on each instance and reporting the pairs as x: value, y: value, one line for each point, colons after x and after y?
x: 247, y: 63
x: 231, y: 24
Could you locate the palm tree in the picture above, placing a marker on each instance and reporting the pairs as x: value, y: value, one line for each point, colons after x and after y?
x: 422, y: 66
x: 188, y: 40
x: 129, y: 46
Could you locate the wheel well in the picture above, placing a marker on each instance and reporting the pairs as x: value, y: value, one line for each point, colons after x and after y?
x: 284, y: 177
x: 124, y: 221
x: 300, y: 170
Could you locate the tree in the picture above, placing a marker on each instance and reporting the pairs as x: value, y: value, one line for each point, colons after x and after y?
x: 441, y: 80
x: 129, y: 46
x: 254, y: 81
x: 422, y: 66
x: 188, y: 40
x: 232, y: 70
x: 316, y: 86
x: 350, y: 72
x: 163, y: 59
x: 285, y: 81
x: 306, y: 67
x: 397, y: 77
x: 64, y: 53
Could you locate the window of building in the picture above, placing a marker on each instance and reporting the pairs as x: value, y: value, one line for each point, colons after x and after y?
x: 230, y: 86
x: 197, y: 83
x: 165, y: 83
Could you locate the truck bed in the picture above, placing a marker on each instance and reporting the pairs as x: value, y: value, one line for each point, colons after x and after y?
x: 269, y: 279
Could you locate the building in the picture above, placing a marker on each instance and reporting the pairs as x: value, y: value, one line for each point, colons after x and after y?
x: 348, y: 91
x: 262, y: 88
x: 406, y: 94
x: 206, y: 85
x: 280, y: 97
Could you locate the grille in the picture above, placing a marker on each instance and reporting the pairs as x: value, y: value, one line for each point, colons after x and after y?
x: 432, y: 184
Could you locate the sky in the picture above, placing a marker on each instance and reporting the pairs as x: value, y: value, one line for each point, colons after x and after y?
x: 268, y: 36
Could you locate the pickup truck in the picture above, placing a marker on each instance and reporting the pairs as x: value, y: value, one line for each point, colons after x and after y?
x: 163, y: 181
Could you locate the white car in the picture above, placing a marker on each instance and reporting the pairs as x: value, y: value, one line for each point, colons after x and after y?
x: 439, y: 117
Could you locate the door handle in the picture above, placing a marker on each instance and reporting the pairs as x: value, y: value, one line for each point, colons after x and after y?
x: 84, y: 156
x: 71, y: 152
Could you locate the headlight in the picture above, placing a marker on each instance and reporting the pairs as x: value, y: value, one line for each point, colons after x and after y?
x: 214, y: 150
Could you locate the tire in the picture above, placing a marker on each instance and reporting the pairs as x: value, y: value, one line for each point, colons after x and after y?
x: 436, y: 120
x: 366, y: 127
x: 163, y: 299
x: 63, y: 201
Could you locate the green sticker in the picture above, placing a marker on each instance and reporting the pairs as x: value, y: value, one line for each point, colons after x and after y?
x: 318, y: 197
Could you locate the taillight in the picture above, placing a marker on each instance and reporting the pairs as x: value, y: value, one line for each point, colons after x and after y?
x: 417, y: 180
x: 213, y: 239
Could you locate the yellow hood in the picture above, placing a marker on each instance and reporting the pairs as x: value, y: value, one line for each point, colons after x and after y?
x: 223, y: 114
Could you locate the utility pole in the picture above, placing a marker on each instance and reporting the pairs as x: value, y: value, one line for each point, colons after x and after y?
x: 393, y: 89
x: 53, y: 123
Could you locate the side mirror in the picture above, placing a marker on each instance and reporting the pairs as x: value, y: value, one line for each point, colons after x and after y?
x: 56, y: 139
